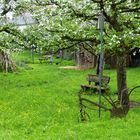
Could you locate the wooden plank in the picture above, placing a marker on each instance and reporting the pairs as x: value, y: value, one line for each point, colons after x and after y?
x: 85, y: 87
x: 94, y: 78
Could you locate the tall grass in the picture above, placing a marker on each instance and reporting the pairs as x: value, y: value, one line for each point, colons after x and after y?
x: 41, y: 103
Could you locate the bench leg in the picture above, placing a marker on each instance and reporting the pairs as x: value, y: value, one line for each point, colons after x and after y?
x: 82, y: 109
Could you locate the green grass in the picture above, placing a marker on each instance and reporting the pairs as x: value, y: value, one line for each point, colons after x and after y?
x: 42, y: 104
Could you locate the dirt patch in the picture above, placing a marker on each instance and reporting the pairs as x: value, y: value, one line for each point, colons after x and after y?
x: 72, y: 67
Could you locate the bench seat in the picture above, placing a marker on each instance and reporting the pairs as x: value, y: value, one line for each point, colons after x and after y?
x: 86, y: 87
x: 46, y: 58
x: 94, y: 83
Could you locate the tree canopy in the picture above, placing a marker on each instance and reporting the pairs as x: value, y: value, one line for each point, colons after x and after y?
x: 65, y: 23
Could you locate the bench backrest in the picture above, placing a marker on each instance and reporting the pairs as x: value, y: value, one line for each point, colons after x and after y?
x: 95, y: 78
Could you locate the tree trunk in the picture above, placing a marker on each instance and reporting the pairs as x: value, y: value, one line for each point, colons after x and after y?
x: 121, y: 75
x: 6, y: 64
x: 121, y: 109
x: 123, y: 96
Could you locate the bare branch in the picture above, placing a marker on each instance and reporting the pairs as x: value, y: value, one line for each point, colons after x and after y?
x: 91, y: 51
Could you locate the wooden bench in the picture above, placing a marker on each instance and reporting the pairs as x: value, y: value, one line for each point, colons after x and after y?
x: 93, y: 83
x: 46, y: 58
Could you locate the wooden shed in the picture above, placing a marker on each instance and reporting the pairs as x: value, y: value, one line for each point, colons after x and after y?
x: 85, y: 59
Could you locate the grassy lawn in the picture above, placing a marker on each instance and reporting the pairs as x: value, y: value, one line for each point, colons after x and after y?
x: 41, y: 103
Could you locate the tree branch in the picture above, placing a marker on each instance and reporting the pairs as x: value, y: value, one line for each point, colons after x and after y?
x: 43, y: 3
x: 68, y: 47
x: 120, y: 2
x: 127, y: 9
x: 96, y: 1
x: 80, y: 39
x: 6, y: 7
x: 83, y: 15
x: 54, y: 30
x: 9, y: 30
